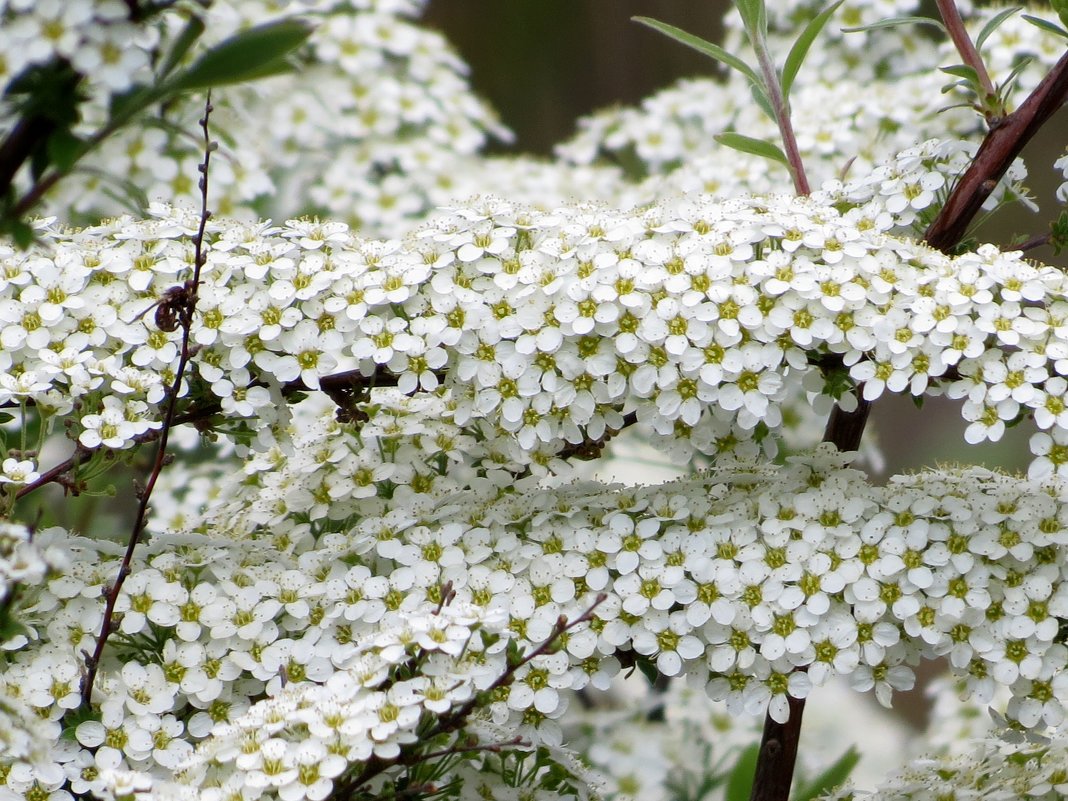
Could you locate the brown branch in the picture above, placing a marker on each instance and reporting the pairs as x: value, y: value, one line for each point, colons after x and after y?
x: 591, y: 449
x: 1002, y: 145
x: 19, y: 144
x: 779, y: 742
x: 30, y: 132
x: 1032, y: 243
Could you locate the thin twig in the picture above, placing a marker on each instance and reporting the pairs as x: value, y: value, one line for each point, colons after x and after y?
x: 341, y: 387
x: 185, y: 317
x: 452, y: 721
x: 1032, y: 243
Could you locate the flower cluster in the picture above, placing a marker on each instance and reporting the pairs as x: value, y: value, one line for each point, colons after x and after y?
x: 993, y: 768
x: 376, y: 92
x: 378, y: 597
x: 915, y: 570
x: 696, y: 317
x: 21, y: 561
x: 97, y: 37
x: 735, y: 578
x: 397, y: 688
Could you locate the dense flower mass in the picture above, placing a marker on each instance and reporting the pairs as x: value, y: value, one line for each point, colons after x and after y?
x: 379, y: 574
x: 387, y: 97
x: 734, y: 579
x: 694, y: 316
x: 993, y: 768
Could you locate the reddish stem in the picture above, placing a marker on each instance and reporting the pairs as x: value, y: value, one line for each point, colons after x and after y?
x: 963, y: 42
x: 1002, y: 145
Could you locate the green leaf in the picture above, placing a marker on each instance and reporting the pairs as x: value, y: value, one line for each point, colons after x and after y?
x: 76, y: 716
x: 255, y: 53
x: 19, y: 230
x: 963, y: 71
x: 1020, y: 67
x: 993, y: 24
x: 740, y: 783
x: 894, y: 22
x: 1058, y: 233
x: 754, y: 15
x: 648, y: 669
x: 832, y: 777
x: 802, y: 45
x: 127, y: 193
x: 64, y: 148
x: 969, y: 79
x: 9, y: 627
x: 125, y: 105
x: 1061, y: 7
x: 1047, y: 26
x: 701, y: 46
x: 758, y: 147
x: 760, y: 97
x: 186, y: 39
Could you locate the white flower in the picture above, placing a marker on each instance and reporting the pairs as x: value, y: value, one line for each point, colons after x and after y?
x: 16, y: 471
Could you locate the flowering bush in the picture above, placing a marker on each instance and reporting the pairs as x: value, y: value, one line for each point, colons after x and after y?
x: 377, y: 570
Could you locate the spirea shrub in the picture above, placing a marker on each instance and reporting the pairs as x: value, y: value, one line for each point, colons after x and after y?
x: 377, y: 572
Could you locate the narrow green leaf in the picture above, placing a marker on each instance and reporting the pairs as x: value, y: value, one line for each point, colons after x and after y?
x: 1012, y: 76
x: 993, y: 24
x: 648, y: 669
x: 832, y: 777
x: 894, y: 22
x: 962, y: 71
x: 19, y: 230
x: 186, y: 39
x: 131, y: 196
x: 1047, y: 26
x: 248, y: 55
x: 740, y: 783
x: 802, y: 45
x: 758, y: 147
x: 40, y: 161
x: 754, y: 15
x: 701, y: 46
